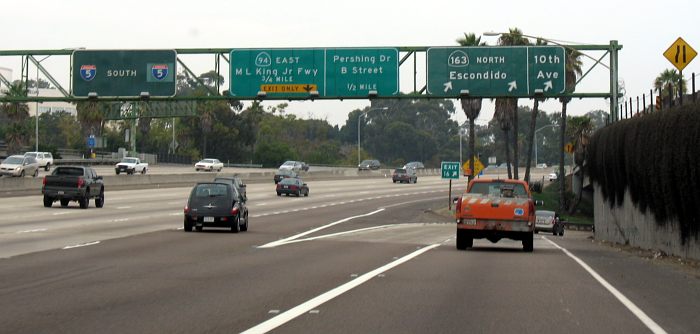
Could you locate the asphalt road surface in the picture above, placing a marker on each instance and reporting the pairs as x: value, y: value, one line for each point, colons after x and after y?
x: 356, y: 256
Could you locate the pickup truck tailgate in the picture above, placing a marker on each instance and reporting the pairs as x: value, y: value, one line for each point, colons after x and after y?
x: 490, y: 208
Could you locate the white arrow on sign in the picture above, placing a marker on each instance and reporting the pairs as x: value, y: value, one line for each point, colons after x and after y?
x: 512, y: 85
x: 548, y: 85
x: 448, y: 86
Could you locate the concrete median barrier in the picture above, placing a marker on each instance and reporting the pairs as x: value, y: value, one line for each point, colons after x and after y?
x: 28, y: 186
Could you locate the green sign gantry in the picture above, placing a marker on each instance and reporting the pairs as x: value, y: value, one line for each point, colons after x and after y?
x: 323, y: 72
x: 517, y: 71
x: 123, y: 73
x: 449, y: 169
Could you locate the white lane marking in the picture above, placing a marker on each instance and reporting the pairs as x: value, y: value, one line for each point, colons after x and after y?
x: 653, y: 326
x: 123, y: 207
x: 261, y: 204
x: 312, y: 304
x: 342, y: 233
x: 180, y: 228
x: 32, y: 231
x: 175, y: 214
x: 82, y: 245
x: 61, y: 213
x: 273, y: 312
x: 285, y: 240
x: 120, y: 220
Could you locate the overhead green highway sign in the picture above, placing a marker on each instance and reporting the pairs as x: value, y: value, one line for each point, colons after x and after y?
x: 516, y: 71
x: 123, y: 73
x: 314, y: 72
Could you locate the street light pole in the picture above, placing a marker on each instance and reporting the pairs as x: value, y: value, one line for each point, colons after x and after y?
x: 536, y: 131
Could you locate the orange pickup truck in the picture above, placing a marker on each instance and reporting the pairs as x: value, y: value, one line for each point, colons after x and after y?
x: 495, y: 209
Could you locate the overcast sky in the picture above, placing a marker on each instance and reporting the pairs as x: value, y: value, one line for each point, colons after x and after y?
x: 645, y: 29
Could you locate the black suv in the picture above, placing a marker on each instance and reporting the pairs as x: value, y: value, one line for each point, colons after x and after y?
x: 369, y: 164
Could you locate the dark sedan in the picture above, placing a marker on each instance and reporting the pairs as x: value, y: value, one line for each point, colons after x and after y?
x: 292, y: 186
x: 216, y: 205
x: 283, y: 174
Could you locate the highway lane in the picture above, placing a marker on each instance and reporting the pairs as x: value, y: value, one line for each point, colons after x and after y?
x: 171, y: 281
x: 28, y: 226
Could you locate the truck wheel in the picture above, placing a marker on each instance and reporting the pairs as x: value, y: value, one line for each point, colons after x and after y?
x: 47, y: 167
x: 48, y: 201
x: 117, y: 172
x: 143, y: 171
x: 64, y: 202
x: 100, y: 199
x: 188, y: 225
x: 528, y: 242
x: 83, y: 203
x: 464, y: 240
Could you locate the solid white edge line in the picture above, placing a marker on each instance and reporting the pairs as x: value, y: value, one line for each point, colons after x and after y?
x: 311, y: 304
x: 285, y: 240
x: 82, y: 245
x: 651, y: 324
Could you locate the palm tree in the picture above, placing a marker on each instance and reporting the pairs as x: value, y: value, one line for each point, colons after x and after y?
x: 580, y: 129
x: 90, y: 117
x: 667, y: 84
x: 573, y: 71
x: 16, y: 114
x: 513, y: 37
x: 471, y: 106
x: 533, y: 124
x: 502, y: 115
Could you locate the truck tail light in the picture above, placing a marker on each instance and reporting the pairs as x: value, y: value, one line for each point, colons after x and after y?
x: 234, y: 211
x: 44, y: 181
x: 81, y: 182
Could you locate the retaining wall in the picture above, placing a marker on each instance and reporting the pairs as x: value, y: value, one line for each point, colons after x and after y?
x: 626, y: 224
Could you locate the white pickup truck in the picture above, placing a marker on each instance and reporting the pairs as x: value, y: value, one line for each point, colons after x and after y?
x: 131, y: 166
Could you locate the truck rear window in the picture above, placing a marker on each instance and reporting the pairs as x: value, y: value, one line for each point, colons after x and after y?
x: 68, y: 171
x: 499, y: 189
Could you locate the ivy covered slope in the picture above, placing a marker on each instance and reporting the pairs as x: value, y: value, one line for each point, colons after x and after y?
x: 656, y: 157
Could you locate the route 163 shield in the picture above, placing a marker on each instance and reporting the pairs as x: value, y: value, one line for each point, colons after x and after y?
x: 87, y: 72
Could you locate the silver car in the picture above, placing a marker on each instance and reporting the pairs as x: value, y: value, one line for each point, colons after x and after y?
x: 18, y: 165
x: 548, y: 221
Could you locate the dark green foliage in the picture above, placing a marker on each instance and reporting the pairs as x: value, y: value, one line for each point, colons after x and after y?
x: 656, y: 158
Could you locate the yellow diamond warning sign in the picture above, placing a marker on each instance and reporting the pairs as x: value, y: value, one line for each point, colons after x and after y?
x: 680, y: 54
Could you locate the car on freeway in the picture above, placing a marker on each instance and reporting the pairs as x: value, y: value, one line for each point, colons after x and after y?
x: 215, y: 204
x: 414, y: 165
x: 548, y: 221
x: 407, y: 175
x: 292, y: 186
x: 45, y: 159
x: 130, y: 166
x: 19, y: 165
x: 369, y: 165
x: 209, y: 165
x: 236, y: 181
x: 282, y: 174
x: 494, y: 209
x: 295, y: 166
x: 73, y: 183
x: 552, y: 176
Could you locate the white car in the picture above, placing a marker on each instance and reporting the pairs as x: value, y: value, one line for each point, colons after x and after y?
x: 552, y: 176
x: 209, y: 165
x: 292, y: 165
x: 547, y: 221
x: 45, y: 159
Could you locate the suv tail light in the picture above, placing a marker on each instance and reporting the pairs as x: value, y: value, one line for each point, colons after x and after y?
x: 234, y: 211
x: 81, y: 182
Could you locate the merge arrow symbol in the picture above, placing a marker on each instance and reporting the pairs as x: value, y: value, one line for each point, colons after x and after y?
x: 512, y: 85
x: 548, y: 85
x: 448, y: 86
